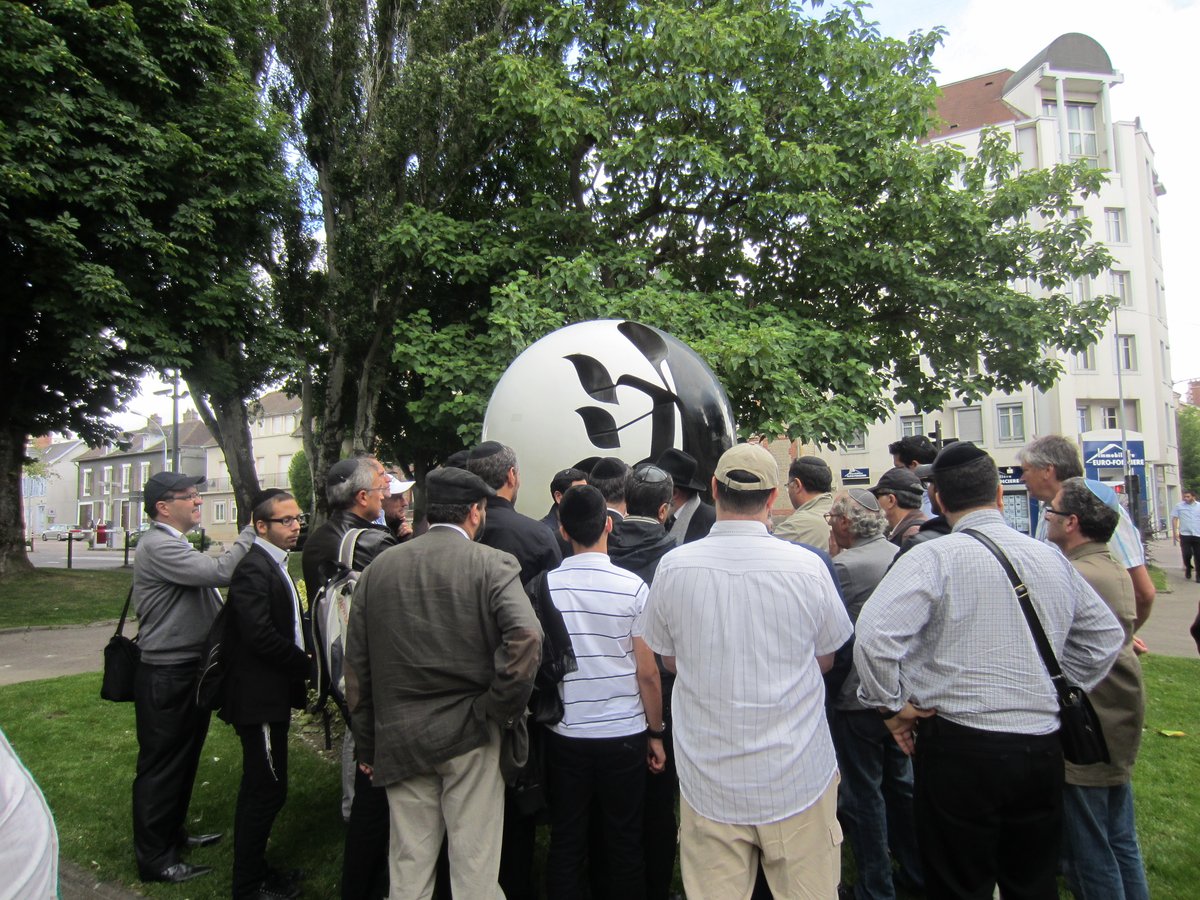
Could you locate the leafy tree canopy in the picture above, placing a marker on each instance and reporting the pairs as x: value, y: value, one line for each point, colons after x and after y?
x: 1189, y: 447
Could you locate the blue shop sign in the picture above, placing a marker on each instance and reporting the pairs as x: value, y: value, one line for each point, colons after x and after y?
x: 1108, y: 454
x: 856, y: 476
x: 1010, y: 475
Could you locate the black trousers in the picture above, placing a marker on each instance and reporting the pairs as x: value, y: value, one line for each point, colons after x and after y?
x: 660, y: 828
x: 170, y: 733
x: 260, y: 797
x: 608, y: 772
x: 365, y: 859
x: 988, y: 809
x: 1189, y: 546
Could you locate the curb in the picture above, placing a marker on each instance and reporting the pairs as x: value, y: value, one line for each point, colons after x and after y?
x: 22, y: 629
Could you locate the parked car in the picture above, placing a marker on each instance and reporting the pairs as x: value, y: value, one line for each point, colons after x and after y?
x: 60, y: 532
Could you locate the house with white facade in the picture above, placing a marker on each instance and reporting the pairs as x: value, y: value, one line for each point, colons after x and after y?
x: 1117, y: 394
x: 275, y: 437
x: 49, y: 499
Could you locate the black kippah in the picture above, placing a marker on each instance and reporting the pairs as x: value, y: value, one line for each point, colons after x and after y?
x: 609, y: 467
x: 957, y: 454
x: 486, y: 449
x: 261, y: 497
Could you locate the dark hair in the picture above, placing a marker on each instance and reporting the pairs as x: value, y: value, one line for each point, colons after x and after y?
x: 814, y: 474
x: 613, y: 488
x: 1097, y: 521
x: 450, y: 513
x: 266, y: 507
x: 913, y: 448
x: 564, y: 479
x: 582, y: 513
x: 742, y: 502
x: 967, y: 485
x: 493, y: 469
x: 645, y: 497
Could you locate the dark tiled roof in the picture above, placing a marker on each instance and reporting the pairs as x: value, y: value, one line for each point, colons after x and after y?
x: 973, y: 103
x: 277, y: 403
x: 1072, y: 52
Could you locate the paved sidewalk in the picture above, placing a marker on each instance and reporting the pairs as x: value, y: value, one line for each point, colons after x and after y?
x: 1166, y: 632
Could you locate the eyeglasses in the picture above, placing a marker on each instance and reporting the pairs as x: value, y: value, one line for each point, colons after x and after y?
x: 190, y: 495
x: 289, y: 521
x: 829, y: 516
x: 1051, y: 511
x: 650, y: 475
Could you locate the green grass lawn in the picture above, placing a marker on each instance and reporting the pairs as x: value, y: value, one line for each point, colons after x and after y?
x: 82, y: 751
x: 63, y: 596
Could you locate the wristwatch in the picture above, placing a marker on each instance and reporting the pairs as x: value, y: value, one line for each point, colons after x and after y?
x: 659, y: 733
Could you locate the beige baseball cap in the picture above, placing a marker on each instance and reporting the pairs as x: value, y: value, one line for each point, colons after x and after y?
x: 755, y: 467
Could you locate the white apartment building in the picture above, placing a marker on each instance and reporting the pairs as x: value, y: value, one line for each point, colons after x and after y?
x: 1056, y: 108
x: 275, y: 438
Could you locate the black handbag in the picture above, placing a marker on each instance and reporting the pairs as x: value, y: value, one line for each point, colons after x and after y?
x: 1079, y: 727
x: 121, y: 657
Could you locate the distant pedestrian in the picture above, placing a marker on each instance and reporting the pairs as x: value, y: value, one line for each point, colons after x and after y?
x: 1185, y: 531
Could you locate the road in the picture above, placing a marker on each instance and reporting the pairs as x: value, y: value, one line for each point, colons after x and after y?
x: 53, y: 555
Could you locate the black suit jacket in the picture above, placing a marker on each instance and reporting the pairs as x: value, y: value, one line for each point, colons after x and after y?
x: 265, y: 680
x: 525, y: 538
x: 701, y: 523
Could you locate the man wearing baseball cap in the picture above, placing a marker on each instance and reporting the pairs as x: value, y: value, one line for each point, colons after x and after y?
x: 176, y: 599
x: 899, y: 493
x: 454, y: 645
x: 749, y: 623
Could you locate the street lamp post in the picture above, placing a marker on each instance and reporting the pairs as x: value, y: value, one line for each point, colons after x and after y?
x: 176, y: 396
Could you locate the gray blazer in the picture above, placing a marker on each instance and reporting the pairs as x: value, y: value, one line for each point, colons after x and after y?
x: 443, y: 640
x: 174, y: 596
x: 860, y: 569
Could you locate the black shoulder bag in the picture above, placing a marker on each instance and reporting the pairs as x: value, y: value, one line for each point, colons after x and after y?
x: 1079, y: 728
x: 121, y: 657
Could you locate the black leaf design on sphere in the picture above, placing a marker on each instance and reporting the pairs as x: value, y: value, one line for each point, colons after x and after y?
x: 594, y: 377
x: 601, y: 426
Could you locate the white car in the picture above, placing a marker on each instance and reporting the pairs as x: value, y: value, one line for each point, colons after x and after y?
x: 60, y: 532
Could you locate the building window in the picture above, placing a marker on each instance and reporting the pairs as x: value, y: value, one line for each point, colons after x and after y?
x: 1114, y: 226
x: 126, y: 477
x: 968, y: 423
x: 232, y: 510
x: 285, y: 463
x: 87, y: 482
x: 857, y: 442
x: 1108, y: 417
x: 1085, y: 360
x: 1012, y: 421
x: 1083, y: 416
x: 106, y: 478
x: 1081, y: 132
x: 1127, y: 352
x: 1120, y: 286
x: 1081, y: 289
x: 912, y: 426
x: 219, y: 511
x: 1166, y: 357
x: 143, y: 474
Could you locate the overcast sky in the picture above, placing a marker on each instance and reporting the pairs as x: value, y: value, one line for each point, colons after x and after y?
x: 1149, y: 43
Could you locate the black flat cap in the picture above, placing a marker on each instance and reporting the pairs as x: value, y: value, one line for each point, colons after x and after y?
x: 898, y: 480
x: 162, y: 483
x: 957, y: 454
x: 450, y: 486
x: 457, y: 459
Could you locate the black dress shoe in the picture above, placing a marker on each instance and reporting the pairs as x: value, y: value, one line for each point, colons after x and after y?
x: 178, y: 873
x: 196, y: 841
x: 268, y: 891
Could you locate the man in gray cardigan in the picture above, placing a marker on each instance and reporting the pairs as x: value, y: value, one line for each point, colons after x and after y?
x: 176, y: 601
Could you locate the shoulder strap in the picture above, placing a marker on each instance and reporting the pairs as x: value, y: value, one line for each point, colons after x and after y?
x: 125, y: 612
x: 348, y: 546
x: 1035, y: 625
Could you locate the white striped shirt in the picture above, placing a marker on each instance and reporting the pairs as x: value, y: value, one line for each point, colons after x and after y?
x: 945, y: 630
x: 745, y: 616
x: 599, y: 603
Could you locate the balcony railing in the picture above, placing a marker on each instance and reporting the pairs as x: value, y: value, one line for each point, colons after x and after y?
x: 224, y: 485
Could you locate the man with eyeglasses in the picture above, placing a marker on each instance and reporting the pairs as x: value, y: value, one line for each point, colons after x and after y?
x: 264, y: 682
x: 355, y: 489
x: 809, y: 485
x: 175, y: 597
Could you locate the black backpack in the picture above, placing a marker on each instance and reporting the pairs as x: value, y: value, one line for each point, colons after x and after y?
x: 214, y: 661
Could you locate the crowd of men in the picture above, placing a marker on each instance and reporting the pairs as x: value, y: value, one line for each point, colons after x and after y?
x: 863, y: 666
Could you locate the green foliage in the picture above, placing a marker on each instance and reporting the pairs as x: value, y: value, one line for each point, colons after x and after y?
x: 300, y: 480
x: 1189, y: 446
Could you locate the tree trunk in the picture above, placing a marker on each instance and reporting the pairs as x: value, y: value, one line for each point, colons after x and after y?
x: 228, y: 420
x: 12, y: 514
